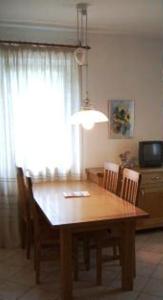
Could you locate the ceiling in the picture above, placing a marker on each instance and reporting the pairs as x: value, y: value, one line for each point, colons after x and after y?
x: 140, y: 17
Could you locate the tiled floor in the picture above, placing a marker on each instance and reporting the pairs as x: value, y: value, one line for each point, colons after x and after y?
x: 17, y: 276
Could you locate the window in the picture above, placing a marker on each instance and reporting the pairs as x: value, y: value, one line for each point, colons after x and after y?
x: 40, y: 90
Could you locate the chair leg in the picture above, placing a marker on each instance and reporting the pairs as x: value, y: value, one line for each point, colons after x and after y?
x: 37, y: 263
x: 120, y: 254
x: 134, y: 262
x: 114, y: 252
x: 76, y: 270
x: 28, y: 240
x: 22, y: 230
x: 86, y: 252
x: 98, y: 263
x: 35, y: 255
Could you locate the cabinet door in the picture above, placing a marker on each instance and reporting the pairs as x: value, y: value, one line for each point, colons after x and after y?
x: 151, y: 200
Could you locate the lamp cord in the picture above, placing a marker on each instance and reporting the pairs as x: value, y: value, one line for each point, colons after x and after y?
x: 78, y: 38
x: 82, y: 34
x: 86, y: 65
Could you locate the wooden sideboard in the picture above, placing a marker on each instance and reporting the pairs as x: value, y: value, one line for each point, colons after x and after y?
x: 151, y: 194
x: 95, y: 175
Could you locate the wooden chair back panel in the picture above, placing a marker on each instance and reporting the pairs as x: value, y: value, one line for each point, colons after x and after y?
x: 34, y: 209
x: 130, y: 186
x: 40, y: 223
x: 22, y: 196
x: 111, y: 175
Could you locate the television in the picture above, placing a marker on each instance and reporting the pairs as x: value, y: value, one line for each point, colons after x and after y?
x: 150, y: 153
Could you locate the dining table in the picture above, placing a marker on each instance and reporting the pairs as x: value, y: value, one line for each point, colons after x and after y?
x: 82, y: 206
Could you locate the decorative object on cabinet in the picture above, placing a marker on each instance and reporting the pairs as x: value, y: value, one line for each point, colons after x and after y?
x: 127, y: 161
x: 121, y: 116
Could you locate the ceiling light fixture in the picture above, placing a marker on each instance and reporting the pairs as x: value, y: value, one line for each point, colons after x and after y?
x: 87, y: 116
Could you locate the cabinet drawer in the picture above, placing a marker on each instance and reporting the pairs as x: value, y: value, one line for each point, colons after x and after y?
x: 151, y: 189
x: 152, y: 178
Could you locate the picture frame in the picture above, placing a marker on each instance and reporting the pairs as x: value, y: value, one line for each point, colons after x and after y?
x: 121, y: 119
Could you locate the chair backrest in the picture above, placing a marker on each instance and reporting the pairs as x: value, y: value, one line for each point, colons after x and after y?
x: 33, y: 207
x: 111, y: 176
x: 130, y: 186
x: 22, y: 196
x: 28, y: 181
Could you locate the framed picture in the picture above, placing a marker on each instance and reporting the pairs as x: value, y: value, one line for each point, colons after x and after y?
x: 121, y: 119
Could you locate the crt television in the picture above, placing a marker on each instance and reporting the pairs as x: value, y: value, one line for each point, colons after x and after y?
x: 150, y: 153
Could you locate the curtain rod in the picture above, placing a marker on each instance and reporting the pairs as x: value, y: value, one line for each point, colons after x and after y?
x: 42, y: 44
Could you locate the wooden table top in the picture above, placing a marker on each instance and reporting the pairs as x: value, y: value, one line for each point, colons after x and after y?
x: 100, y: 206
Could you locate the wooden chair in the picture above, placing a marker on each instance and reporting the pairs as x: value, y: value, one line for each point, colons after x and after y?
x: 111, y: 176
x: 110, y: 182
x: 45, y: 237
x: 107, y: 238
x: 130, y: 186
x: 25, y: 216
x: 129, y: 191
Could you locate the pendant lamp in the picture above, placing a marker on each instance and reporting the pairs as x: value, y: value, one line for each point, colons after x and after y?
x: 87, y: 116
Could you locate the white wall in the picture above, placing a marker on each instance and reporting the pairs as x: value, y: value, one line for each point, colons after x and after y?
x: 120, y: 67
x: 123, y: 67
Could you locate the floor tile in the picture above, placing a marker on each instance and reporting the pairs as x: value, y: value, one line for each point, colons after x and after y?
x: 145, y: 269
x: 148, y: 297
x: 154, y: 246
x: 17, y: 276
x: 139, y: 283
x: 24, y: 276
x: 105, y: 294
x: 40, y: 294
x: 6, y: 253
x: 11, y: 290
x: 7, y: 270
x: 158, y: 272
x: 141, y: 240
x: 148, y: 257
x: 154, y: 287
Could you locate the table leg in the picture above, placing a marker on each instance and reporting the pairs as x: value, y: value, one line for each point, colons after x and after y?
x: 66, y: 263
x: 128, y: 257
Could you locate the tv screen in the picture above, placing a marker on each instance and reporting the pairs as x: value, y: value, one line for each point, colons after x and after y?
x: 150, y: 153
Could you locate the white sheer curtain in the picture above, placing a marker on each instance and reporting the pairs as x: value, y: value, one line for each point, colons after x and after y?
x: 39, y: 90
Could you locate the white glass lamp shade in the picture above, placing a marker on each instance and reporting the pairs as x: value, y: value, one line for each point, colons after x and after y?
x: 80, y: 56
x: 87, y: 118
